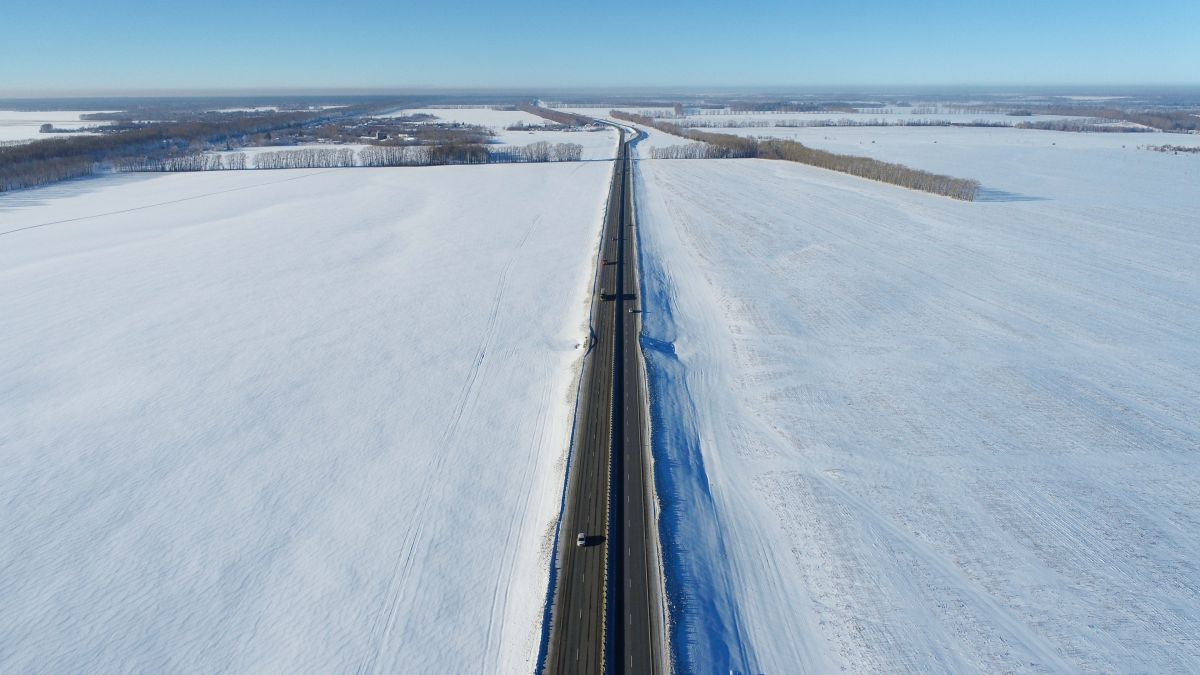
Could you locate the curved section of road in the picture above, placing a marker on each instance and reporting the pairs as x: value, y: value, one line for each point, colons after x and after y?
x: 607, y: 611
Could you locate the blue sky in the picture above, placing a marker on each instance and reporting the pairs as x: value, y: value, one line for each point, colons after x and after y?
x: 134, y: 44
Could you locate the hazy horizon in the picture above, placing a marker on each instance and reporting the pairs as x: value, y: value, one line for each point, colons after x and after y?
x: 1010, y: 89
x: 223, y: 46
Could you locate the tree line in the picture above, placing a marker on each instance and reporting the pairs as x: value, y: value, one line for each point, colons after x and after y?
x: 564, y: 118
x: 184, y: 146
x: 686, y: 151
x: 1176, y: 149
x: 539, y: 152
x: 873, y: 169
x: 376, y: 156
x: 305, y: 158
x: 199, y: 161
x: 1083, y: 125
x: 840, y: 122
x: 1163, y: 120
x: 51, y: 160
x: 394, y: 155
x: 727, y: 146
x: 745, y: 107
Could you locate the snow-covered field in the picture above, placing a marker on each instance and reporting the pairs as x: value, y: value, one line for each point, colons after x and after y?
x: 259, y: 108
x: 718, y: 117
x: 602, y: 110
x: 900, y: 433
x: 1032, y: 163
x: 600, y: 144
x: 288, y: 421
x: 597, y: 145
x: 895, y: 116
x: 17, y: 125
x: 484, y: 117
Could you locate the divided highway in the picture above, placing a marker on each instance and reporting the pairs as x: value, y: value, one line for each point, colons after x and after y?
x: 607, y: 615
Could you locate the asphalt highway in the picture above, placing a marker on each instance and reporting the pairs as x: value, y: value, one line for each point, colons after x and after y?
x: 637, y: 647
x: 607, y: 615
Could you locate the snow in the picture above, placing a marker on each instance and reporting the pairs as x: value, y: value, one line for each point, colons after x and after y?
x: 1053, y: 165
x: 288, y: 421
x: 259, y: 108
x: 718, y: 117
x: 252, y: 152
x: 899, y: 433
x: 602, y: 110
x: 484, y: 117
x: 653, y: 138
x: 18, y: 125
x: 597, y: 145
x: 600, y: 144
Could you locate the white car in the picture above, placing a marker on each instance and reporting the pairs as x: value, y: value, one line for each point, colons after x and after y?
x: 581, y: 539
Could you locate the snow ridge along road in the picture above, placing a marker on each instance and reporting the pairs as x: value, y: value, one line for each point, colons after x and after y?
x: 605, y: 615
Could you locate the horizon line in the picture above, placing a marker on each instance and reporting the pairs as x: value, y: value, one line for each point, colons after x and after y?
x: 120, y: 92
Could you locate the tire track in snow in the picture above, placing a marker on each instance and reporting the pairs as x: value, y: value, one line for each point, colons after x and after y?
x: 1015, y: 627
x: 166, y: 203
x: 516, y: 526
x: 385, y: 622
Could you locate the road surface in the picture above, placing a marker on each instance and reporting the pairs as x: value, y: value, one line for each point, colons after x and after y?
x: 637, y: 609
x: 607, y: 615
